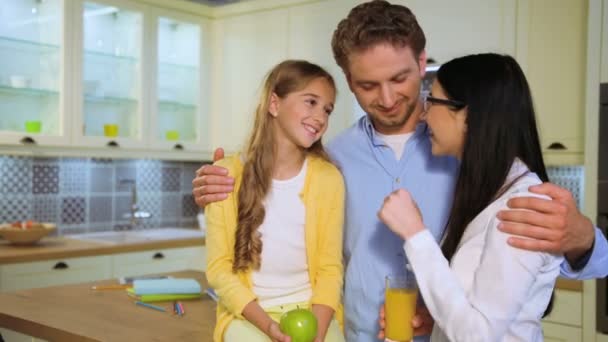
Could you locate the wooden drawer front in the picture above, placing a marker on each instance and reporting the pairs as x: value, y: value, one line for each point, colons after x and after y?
x: 54, y: 272
x: 159, y: 261
x: 561, y: 333
x: 567, y: 308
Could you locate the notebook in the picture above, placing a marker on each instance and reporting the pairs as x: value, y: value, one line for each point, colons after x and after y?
x: 166, y: 286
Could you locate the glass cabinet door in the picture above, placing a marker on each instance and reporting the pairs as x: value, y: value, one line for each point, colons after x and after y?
x: 178, y: 82
x: 31, y: 70
x: 111, y: 82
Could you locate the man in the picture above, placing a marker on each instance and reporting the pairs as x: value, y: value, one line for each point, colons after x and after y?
x: 380, y: 48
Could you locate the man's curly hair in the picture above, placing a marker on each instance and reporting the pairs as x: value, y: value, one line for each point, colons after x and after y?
x: 375, y: 22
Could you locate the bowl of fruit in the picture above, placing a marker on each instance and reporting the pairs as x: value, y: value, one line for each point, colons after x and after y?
x: 25, y: 232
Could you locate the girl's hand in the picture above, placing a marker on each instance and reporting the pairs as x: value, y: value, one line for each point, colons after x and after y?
x: 275, y: 334
x: 401, y: 214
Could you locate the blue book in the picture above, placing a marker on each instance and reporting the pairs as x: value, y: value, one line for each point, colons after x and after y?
x: 166, y: 286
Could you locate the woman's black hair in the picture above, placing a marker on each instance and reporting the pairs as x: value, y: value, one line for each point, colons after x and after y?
x: 501, y: 127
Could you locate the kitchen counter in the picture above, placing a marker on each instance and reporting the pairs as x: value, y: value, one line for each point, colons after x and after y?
x: 61, y: 247
x: 77, y: 313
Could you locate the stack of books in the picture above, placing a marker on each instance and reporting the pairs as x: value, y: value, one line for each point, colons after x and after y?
x: 158, y: 290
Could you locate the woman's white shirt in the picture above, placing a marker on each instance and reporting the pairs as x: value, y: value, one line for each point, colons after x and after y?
x: 490, y: 291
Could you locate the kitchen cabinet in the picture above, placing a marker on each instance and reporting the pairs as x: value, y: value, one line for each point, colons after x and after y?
x: 244, y: 48
x: 565, y: 321
x: 560, y: 333
x: 604, y: 47
x: 103, y: 102
x: 33, y: 76
x: 158, y: 261
x: 554, y: 60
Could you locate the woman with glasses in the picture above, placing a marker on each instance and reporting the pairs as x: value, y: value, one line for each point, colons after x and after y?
x: 476, y: 286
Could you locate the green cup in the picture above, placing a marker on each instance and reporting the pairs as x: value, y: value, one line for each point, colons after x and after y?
x: 34, y: 126
x: 172, y: 135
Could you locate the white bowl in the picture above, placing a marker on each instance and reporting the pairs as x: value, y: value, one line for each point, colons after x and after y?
x: 19, y: 81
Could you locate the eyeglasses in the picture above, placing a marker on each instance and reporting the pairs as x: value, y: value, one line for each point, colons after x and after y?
x: 429, y: 100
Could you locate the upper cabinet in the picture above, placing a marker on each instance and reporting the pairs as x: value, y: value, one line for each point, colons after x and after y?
x: 552, y: 45
x: 110, y: 109
x: 32, y: 73
x: 244, y: 49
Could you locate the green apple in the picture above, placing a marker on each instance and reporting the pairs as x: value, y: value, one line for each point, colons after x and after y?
x: 300, y: 325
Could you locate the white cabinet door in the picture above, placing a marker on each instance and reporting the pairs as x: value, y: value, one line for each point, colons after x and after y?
x: 456, y: 28
x: 33, y: 77
x: 244, y: 48
x: 159, y: 261
x: 567, y: 308
x: 54, y: 272
x: 554, y: 60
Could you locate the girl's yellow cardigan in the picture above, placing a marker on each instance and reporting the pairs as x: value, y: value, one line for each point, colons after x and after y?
x: 323, y: 197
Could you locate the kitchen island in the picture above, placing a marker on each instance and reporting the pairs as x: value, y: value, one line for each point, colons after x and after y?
x: 78, y: 313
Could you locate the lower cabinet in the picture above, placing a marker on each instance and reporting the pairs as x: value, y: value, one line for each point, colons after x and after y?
x: 564, y: 324
x: 561, y: 333
x: 158, y: 261
x: 57, y: 272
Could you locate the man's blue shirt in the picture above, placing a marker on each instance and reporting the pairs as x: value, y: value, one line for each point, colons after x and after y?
x: 371, y: 250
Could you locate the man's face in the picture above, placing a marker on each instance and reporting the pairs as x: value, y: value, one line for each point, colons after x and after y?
x: 386, y: 82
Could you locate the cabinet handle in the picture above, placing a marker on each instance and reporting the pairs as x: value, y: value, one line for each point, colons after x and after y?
x: 557, y: 146
x: 28, y: 141
x: 178, y: 147
x: 158, y: 255
x: 113, y: 143
x: 61, y: 266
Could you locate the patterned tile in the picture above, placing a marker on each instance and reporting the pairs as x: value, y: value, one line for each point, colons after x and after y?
x: 73, y: 210
x: 188, y: 223
x: 171, y: 207
x: 150, y: 203
x: 124, y: 172
x: 101, y: 180
x: 73, y: 176
x: 45, y: 179
x: 122, y: 206
x: 148, y: 175
x: 100, y: 209
x: 46, y: 208
x: 170, y: 179
x: 16, y: 175
x: 102, y: 161
x: 189, y: 207
x: 70, y: 230
x: 15, y: 208
x: 571, y: 178
x: 188, y: 174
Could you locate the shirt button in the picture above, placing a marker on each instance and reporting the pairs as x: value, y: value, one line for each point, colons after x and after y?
x: 397, y: 180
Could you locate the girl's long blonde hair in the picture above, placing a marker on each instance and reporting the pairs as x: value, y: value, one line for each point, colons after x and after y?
x: 285, y: 78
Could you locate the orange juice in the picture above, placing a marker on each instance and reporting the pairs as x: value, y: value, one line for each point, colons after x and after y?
x: 400, y: 307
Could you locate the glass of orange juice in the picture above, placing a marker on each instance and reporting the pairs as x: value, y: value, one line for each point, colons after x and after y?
x: 400, y: 306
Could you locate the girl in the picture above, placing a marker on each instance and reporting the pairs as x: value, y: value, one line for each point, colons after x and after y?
x: 477, y: 287
x: 276, y: 243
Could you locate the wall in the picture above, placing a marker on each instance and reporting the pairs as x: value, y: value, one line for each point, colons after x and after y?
x: 84, y: 195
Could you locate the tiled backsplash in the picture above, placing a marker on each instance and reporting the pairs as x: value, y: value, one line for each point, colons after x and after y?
x: 571, y: 178
x: 85, y: 194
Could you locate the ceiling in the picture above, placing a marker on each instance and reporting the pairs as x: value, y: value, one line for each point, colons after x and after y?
x: 216, y: 3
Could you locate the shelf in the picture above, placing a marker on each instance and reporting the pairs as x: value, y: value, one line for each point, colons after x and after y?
x: 27, y: 91
x: 189, y: 68
x: 172, y: 105
x: 110, y: 100
x: 27, y: 45
x: 109, y: 56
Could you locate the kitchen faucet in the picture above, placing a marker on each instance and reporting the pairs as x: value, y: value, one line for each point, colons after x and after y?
x: 135, y: 215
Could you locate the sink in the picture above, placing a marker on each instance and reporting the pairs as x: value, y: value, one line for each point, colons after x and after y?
x: 136, y: 236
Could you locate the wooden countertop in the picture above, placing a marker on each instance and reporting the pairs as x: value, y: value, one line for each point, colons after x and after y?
x: 77, y: 313
x: 60, y: 247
